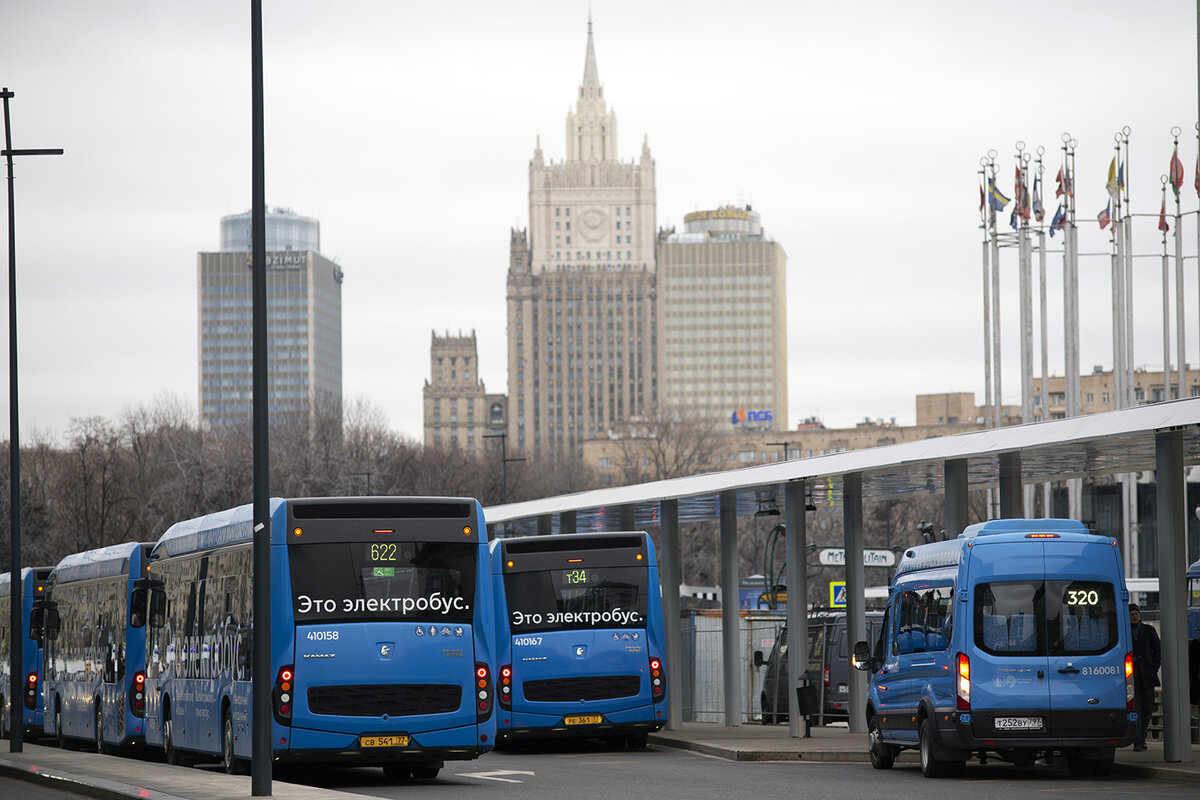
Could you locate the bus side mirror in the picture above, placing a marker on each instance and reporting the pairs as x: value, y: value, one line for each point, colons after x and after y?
x: 158, y: 608
x: 137, y: 608
x: 862, y: 656
x: 37, y: 621
x: 52, y: 623
x: 758, y: 659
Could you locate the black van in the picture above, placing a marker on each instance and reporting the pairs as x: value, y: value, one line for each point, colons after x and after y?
x: 827, y: 658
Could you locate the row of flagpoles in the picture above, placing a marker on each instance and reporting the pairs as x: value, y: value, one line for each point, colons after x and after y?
x: 1027, y: 221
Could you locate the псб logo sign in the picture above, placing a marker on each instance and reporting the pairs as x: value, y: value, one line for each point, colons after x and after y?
x: 742, y: 415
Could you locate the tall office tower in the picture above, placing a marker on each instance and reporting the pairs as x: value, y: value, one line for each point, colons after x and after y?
x: 581, y: 307
x: 304, y: 324
x: 723, y: 322
x: 458, y: 410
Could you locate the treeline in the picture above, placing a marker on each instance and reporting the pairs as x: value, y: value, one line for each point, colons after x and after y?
x: 106, y: 481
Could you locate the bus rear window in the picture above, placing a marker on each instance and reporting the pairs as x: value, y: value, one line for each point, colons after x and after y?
x: 573, y: 599
x: 1031, y: 618
x: 383, y: 581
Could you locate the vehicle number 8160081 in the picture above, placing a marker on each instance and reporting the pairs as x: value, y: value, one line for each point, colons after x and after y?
x: 1110, y: 669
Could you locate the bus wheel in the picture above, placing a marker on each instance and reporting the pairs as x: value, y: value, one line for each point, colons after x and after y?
x: 174, y: 757
x: 931, y: 766
x: 232, y: 764
x: 397, y: 773
x: 99, y: 731
x: 426, y: 772
x: 61, y: 735
x: 4, y: 720
x: 883, y: 755
x: 636, y: 741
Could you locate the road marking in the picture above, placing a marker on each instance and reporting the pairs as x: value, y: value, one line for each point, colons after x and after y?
x: 496, y: 775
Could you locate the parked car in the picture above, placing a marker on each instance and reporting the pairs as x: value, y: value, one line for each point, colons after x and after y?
x: 827, y: 659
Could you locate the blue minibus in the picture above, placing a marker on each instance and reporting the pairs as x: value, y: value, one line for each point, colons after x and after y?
x: 95, y: 647
x: 580, y: 639
x: 381, y: 635
x: 1012, y: 641
x: 33, y: 588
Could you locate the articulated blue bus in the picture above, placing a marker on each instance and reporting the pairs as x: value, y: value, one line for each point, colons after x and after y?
x: 33, y: 587
x: 95, y: 647
x: 580, y: 637
x: 381, y: 635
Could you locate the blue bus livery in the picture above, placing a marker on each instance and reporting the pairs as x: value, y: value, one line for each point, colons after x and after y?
x: 1012, y: 639
x: 580, y: 637
x: 95, y: 647
x: 33, y: 587
x: 381, y: 634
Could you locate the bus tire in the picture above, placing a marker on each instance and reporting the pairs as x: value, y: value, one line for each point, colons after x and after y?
x: 636, y: 741
x: 4, y: 721
x: 883, y: 755
x: 173, y: 755
x: 59, y: 734
x: 229, y: 760
x: 397, y: 772
x: 101, y: 747
x: 426, y: 772
x: 931, y: 765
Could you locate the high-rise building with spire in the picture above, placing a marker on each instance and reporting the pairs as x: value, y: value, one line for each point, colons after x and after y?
x: 582, y: 342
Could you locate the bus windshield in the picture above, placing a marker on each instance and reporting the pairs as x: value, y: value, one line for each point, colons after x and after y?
x: 383, y: 581
x: 571, y: 599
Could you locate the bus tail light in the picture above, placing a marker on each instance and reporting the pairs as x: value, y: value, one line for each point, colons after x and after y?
x: 31, y: 690
x: 963, y: 684
x: 658, y: 680
x: 137, y: 695
x: 483, y: 692
x: 283, y: 695
x: 1129, y: 681
x: 506, y: 684
x: 826, y: 675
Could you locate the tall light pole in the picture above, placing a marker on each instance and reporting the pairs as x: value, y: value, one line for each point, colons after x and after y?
x: 16, y: 727
x: 504, y: 460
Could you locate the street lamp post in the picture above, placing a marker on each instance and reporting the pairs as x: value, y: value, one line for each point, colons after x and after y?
x: 504, y: 460
x: 16, y: 728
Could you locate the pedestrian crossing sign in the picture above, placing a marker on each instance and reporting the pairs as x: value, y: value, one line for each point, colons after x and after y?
x: 837, y: 594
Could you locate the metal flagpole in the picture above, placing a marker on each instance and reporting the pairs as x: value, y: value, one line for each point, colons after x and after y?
x: 1071, y: 313
x: 1166, y: 298
x: 1127, y: 245
x: 1025, y: 287
x: 997, y: 396
x: 1180, y: 326
x: 1045, y: 393
x: 989, y: 213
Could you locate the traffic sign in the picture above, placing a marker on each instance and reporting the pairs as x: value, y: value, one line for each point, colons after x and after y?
x: 837, y: 594
x: 872, y: 557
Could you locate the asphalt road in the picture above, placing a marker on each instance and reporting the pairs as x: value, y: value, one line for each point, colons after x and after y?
x: 576, y: 770
x: 17, y: 789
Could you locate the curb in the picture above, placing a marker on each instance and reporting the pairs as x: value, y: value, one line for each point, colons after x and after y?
x: 100, y: 788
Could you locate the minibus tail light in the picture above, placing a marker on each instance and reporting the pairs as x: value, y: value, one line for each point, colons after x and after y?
x: 483, y: 692
x: 963, y: 691
x: 658, y: 680
x: 137, y: 695
x: 506, y: 685
x: 1129, y: 681
x: 283, y: 695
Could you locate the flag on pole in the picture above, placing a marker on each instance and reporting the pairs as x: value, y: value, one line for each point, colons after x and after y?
x: 982, y: 215
x: 1121, y: 177
x: 1060, y: 189
x: 1176, y: 174
x: 1162, y: 215
x: 1111, y: 183
x: 1103, y: 217
x: 1039, y: 213
x: 1022, y: 195
x: 1068, y: 185
x: 1197, y: 174
x: 1016, y: 212
x: 999, y: 201
x: 1060, y: 217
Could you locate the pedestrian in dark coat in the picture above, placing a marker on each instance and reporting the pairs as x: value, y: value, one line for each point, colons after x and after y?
x: 1147, y: 658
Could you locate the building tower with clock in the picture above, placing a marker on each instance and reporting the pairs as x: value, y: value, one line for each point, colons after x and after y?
x: 582, y: 342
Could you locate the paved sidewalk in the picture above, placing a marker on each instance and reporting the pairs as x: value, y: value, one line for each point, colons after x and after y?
x: 754, y: 742
x: 116, y: 778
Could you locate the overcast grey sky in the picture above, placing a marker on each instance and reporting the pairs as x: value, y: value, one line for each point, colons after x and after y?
x: 406, y: 128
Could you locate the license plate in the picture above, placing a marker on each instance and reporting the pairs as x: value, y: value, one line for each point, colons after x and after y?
x: 583, y: 719
x: 383, y: 741
x: 1018, y: 723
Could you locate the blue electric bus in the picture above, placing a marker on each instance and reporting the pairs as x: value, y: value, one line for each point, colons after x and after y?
x: 381, y: 635
x: 33, y: 587
x: 580, y: 637
x: 95, y: 647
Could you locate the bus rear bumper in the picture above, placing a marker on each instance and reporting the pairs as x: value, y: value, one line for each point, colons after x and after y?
x: 451, y: 744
